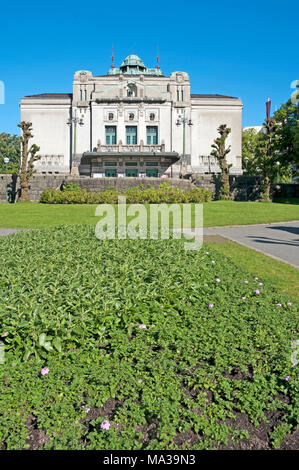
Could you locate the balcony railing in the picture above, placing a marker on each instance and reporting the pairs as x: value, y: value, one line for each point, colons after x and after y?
x: 130, y: 148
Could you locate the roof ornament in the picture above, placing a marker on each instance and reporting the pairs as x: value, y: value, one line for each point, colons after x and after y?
x: 113, y: 66
x: 157, y: 66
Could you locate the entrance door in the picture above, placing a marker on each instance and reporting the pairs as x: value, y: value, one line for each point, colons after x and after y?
x: 111, y: 173
x: 131, y: 173
x: 131, y: 135
x: 153, y: 173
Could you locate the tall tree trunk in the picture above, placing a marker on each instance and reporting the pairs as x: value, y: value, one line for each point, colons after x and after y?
x: 23, y: 174
x: 265, y: 196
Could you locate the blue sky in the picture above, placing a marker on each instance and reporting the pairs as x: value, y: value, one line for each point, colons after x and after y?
x: 249, y: 50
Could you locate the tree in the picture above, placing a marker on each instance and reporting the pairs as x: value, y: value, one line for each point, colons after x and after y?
x: 27, y: 164
x: 10, y: 147
x: 220, y: 152
x: 267, y: 161
x: 250, y: 140
x: 287, y: 117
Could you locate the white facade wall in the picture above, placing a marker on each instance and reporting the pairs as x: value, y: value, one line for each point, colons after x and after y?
x: 50, y: 132
x: 168, y: 98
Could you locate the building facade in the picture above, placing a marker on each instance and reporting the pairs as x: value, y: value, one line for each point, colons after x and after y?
x: 133, y: 121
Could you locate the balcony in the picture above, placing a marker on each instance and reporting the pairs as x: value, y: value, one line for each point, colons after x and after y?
x: 124, y: 148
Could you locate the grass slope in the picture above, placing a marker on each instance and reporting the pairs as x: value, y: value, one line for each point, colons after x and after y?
x: 210, y: 369
x: 283, y: 277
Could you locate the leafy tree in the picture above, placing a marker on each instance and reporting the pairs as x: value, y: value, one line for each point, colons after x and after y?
x: 266, y: 160
x: 10, y: 147
x: 287, y: 117
x: 27, y: 163
x: 220, y: 152
x: 250, y: 141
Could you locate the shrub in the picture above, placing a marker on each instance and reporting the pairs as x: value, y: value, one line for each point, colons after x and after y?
x: 73, y: 194
x: 70, y: 187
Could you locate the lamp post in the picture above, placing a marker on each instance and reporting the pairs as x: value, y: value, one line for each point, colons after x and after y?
x: 184, y: 120
x: 278, y: 176
x: 72, y: 122
x: 246, y: 169
x: 6, y: 161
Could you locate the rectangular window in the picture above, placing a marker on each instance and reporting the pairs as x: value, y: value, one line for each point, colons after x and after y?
x: 80, y: 95
x: 131, y: 135
x: 131, y: 163
x: 110, y: 163
x: 110, y: 135
x: 85, y: 92
x: 151, y: 163
x: 152, y: 135
x: 182, y: 93
x: 178, y: 95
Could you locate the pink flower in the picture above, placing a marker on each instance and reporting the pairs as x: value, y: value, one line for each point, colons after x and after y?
x: 257, y: 291
x: 287, y: 378
x: 211, y: 305
x: 243, y: 298
x: 213, y: 261
x: 105, y: 424
x: 256, y: 278
x: 86, y: 409
x: 260, y: 283
x: 279, y: 305
x: 294, y: 365
x: 289, y: 303
x: 245, y: 282
x: 207, y: 252
x: 142, y: 326
x: 218, y: 280
x: 45, y: 371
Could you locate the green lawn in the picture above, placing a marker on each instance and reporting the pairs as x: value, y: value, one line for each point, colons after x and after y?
x: 217, y: 213
x: 283, y: 277
x: 164, y: 347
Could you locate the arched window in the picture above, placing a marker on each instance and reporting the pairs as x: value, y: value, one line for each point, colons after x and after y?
x: 132, y: 90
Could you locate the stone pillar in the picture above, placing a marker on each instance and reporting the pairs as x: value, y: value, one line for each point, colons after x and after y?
x: 99, y: 146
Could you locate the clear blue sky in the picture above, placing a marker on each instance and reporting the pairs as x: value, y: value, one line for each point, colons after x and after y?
x: 249, y: 50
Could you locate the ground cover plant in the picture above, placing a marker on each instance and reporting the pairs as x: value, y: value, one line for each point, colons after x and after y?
x: 124, y: 344
x: 216, y: 213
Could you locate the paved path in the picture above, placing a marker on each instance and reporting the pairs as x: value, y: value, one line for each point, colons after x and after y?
x: 278, y: 240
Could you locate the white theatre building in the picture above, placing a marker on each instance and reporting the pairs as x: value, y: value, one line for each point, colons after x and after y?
x: 133, y: 121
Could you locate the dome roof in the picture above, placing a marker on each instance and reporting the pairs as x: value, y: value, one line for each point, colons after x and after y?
x: 132, y: 61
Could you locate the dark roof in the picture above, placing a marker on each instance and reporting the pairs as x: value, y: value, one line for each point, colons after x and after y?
x: 213, y: 96
x: 50, y: 95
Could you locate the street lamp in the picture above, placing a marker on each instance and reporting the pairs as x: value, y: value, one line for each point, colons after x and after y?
x: 246, y: 169
x: 278, y: 176
x: 6, y: 161
x: 184, y: 120
x: 73, y: 121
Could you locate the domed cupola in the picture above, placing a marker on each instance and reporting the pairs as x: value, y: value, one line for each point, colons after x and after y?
x: 132, y: 65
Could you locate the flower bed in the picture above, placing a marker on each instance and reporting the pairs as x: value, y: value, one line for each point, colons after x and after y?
x: 124, y: 344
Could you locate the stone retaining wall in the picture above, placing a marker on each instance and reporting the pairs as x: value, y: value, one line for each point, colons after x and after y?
x: 243, y: 187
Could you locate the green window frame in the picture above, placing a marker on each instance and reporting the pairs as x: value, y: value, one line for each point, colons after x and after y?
x: 152, y: 135
x: 131, y: 135
x: 152, y: 173
x: 110, y: 135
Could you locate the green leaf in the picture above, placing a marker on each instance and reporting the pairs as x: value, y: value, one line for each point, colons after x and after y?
x: 57, y: 344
